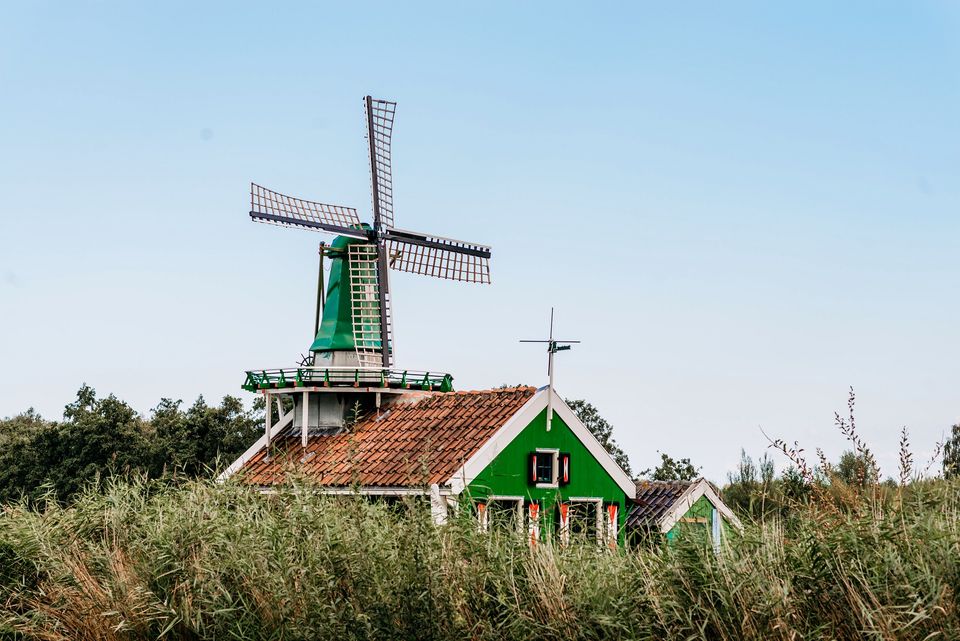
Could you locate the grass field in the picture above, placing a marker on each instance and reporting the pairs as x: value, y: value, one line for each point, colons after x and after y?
x: 195, y: 560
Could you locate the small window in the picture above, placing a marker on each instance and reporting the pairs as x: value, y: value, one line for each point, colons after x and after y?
x: 580, y: 519
x: 543, y: 467
x: 584, y: 521
x: 504, y: 515
x: 500, y: 514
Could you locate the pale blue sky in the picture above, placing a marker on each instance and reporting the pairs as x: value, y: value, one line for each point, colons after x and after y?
x: 740, y: 209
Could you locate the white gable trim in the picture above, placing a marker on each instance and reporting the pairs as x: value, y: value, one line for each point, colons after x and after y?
x: 254, y: 449
x: 521, y: 419
x: 593, y: 445
x: 691, y: 495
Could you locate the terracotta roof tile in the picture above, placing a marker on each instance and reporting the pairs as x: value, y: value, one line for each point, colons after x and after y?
x: 419, y: 440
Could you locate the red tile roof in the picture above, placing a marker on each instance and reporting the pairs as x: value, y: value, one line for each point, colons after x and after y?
x: 416, y: 441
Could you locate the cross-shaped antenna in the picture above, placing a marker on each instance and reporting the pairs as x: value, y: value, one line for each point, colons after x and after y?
x: 553, y: 346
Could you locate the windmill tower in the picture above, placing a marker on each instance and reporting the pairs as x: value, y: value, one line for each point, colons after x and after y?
x: 354, y: 345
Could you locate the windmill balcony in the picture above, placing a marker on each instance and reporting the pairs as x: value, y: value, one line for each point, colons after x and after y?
x: 347, y: 377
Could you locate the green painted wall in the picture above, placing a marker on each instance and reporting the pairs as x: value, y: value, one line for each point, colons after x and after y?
x: 703, y: 508
x: 507, y: 474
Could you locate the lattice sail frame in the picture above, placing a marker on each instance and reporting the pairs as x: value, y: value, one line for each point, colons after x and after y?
x: 439, y: 262
x: 266, y: 203
x: 365, y: 306
x: 380, y: 133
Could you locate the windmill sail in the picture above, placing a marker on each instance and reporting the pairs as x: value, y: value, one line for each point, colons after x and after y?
x: 438, y: 257
x: 268, y: 206
x: 379, y: 132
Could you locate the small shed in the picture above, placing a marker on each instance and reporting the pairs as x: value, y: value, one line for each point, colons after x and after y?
x: 671, y: 508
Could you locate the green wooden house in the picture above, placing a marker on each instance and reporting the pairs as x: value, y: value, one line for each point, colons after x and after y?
x: 489, y: 449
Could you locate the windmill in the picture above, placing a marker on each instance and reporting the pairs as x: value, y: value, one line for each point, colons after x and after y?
x: 362, y: 254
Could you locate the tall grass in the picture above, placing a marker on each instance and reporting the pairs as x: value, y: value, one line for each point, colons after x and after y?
x: 143, y: 560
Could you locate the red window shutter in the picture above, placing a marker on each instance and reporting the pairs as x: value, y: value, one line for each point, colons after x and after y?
x: 533, y: 523
x: 564, y: 475
x: 613, y: 524
x: 532, y: 468
x: 563, y: 527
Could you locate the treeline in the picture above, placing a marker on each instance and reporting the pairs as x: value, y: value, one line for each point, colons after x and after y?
x: 100, y: 437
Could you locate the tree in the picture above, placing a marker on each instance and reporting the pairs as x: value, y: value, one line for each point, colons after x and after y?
x: 96, y: 437
x: 854, y: 469
x: 103, y: 436
x: 951, y: 453
x: 601, y: 429
x: 192, y: 442
x: 671, y: 469
x: 754, y: 489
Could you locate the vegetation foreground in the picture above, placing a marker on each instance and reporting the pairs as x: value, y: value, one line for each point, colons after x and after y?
x: 196, y: 560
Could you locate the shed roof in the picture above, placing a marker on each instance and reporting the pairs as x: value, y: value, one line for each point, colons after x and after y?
x: 654, y: 499
x: 416, y: 441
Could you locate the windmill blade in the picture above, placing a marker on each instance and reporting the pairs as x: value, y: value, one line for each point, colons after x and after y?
x: 379, y: 133
x: 438, y: 257
x: 267, y: 206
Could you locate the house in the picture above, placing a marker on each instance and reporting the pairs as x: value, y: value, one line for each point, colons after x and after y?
x: 489, y: 447
x: 670, y: 509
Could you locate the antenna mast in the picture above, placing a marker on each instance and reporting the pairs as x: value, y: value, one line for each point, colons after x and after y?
x: 553, y: 346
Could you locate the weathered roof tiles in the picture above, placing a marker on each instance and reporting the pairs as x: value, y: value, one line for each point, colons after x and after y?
x: 654, y: 499
x: 415, y: 442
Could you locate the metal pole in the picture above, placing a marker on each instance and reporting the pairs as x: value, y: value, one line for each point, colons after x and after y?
x: 383, y: 290
x: 320, y: 298
x: 550, y: 351
x: 305, y: 428
x: 553, y: 346
x: 268, y: 426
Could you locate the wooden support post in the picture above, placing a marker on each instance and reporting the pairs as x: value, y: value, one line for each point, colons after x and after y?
x: 304, y: 429
x: 269, y: 422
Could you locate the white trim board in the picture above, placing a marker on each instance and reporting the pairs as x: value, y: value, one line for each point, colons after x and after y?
x: 261, y: 442
x: 378, y: 490
x: 516, y: 424
x: 691, y: 495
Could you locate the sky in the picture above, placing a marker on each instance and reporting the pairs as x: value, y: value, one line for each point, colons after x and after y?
x: 742, y: 210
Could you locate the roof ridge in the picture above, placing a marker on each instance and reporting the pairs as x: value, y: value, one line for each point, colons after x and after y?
x: 498, y: 390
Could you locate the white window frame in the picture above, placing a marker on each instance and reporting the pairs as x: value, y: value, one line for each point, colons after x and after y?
x: 556, y: 466
x: 521, y: 516
x: 600, y: 516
